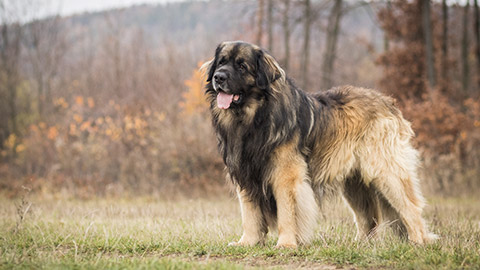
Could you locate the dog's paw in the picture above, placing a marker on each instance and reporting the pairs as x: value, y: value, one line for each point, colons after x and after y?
x: 234, y: 244
x: 286, y: 241
x: 286, y: 245
x: 240, y: 244
x: 431, y: 238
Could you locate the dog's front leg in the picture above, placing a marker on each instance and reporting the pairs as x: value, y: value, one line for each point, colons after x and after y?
x: 286, y: 206
x: 253, y: 222
x: 286, y: 180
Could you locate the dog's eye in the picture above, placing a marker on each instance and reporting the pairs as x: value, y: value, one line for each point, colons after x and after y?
x: 242, y: 66
x: 222, y: 61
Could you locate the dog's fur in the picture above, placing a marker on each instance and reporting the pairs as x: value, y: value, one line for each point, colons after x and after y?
x: 283, y: 148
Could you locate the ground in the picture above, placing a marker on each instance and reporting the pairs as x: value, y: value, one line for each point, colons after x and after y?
x: 193, y: 234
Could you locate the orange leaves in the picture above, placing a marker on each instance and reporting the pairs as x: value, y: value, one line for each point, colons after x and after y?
x: 60, y: 103
x: 78, y: 118
x: 52, y: 133
x: 79, y: 100
x: 13, y: 145
x: 90, y: 102
x: 444, y: 126
x: 194, y: 99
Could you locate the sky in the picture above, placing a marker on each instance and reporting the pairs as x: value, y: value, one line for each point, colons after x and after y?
x: 26, y: 10
x: 68, y: 7
x: 31, y: 9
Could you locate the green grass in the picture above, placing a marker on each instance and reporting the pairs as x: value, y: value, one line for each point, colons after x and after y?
x: 193, y: 234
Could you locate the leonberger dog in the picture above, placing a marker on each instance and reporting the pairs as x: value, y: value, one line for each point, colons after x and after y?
x: 284, y: 149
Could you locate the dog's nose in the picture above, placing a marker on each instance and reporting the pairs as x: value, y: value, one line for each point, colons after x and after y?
x: 220, y: 77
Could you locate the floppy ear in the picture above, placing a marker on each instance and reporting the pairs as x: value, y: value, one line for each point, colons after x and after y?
x: 213, y: 63
x: 268, y: 70
x: 205, y: 67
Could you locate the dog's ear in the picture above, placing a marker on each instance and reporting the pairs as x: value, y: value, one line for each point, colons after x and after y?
x: 268, y: 70
x: 206, y: 67
x: 213, y: 63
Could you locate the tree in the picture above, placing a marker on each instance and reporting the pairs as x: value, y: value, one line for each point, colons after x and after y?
x: 444, y: 58
x: 427, y: 31
x: 404, y: 63
x: 477, y: 37
x: 270, y: 25
x: 10, y: 49
x: 306, y: 42
x: 386, y: 41
x: 329, y: 55
x: 260, y: 12
x: 465, y: 65
x: 45, y: 40
x: 286, y: 33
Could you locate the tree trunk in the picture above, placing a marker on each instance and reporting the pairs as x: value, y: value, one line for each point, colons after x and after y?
x: 444, y: 69
x: 306, y: 44
x: 477, y: 37
x: 286, y: 30
x: 270, y: 25
x: 465, y: 66
x: 386, y: 41
x: 260, y: 22
x: 10, y: 47
x: 333, y: 29
x: 47, y: 47
x: 427, y: 31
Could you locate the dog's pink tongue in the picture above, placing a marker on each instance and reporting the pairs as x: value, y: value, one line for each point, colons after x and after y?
x: 224, y: 100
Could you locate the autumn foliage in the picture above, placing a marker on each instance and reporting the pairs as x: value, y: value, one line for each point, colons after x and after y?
x: 194, y: 101
x: 446, y: 120
x: 115, y: 149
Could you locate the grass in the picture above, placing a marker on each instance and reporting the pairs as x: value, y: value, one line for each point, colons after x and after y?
x: 193, y: 234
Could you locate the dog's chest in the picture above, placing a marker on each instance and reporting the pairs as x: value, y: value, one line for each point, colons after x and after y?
x: 245, y: 153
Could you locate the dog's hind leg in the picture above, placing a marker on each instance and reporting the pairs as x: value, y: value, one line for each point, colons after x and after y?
x: 389, y: 163
x: 402, y: 196
x: 396, y: 180
x: 365, y: 205
x: 392, y: 218
x: 306, y: 212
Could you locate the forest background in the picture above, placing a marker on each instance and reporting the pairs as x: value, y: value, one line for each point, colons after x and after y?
x: 111, y: 103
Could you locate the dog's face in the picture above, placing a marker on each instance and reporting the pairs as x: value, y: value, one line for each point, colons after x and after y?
x: 239, y: 72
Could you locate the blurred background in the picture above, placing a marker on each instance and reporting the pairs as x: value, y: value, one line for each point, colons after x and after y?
x: 104, y: 98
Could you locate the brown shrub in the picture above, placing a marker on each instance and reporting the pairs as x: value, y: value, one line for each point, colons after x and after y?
x: 448, y: 136
x: 118, y: 149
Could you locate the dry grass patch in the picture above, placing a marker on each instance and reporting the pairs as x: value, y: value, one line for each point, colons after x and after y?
x: 192, y: 234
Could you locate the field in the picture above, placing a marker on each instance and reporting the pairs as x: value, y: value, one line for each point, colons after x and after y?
x: 193, y: 234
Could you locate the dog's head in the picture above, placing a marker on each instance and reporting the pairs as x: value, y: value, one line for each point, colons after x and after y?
x: 241, y: 71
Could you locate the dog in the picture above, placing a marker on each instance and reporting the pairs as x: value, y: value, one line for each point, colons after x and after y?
x: 284, y: 149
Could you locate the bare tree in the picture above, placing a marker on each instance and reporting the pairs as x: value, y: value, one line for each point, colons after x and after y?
x: 465, y: 65
x: 329, y: 55
x: 10, y: 48
x: 444, y: 58
x: 45, y: 40
x: 270, y: 25
x: 306, y: 42
x: 477, y: 37
x: 260, y: 12
x: 286, y: 33
x: 113, y: 46
x: 427, y: 31
x: 386, y: 40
